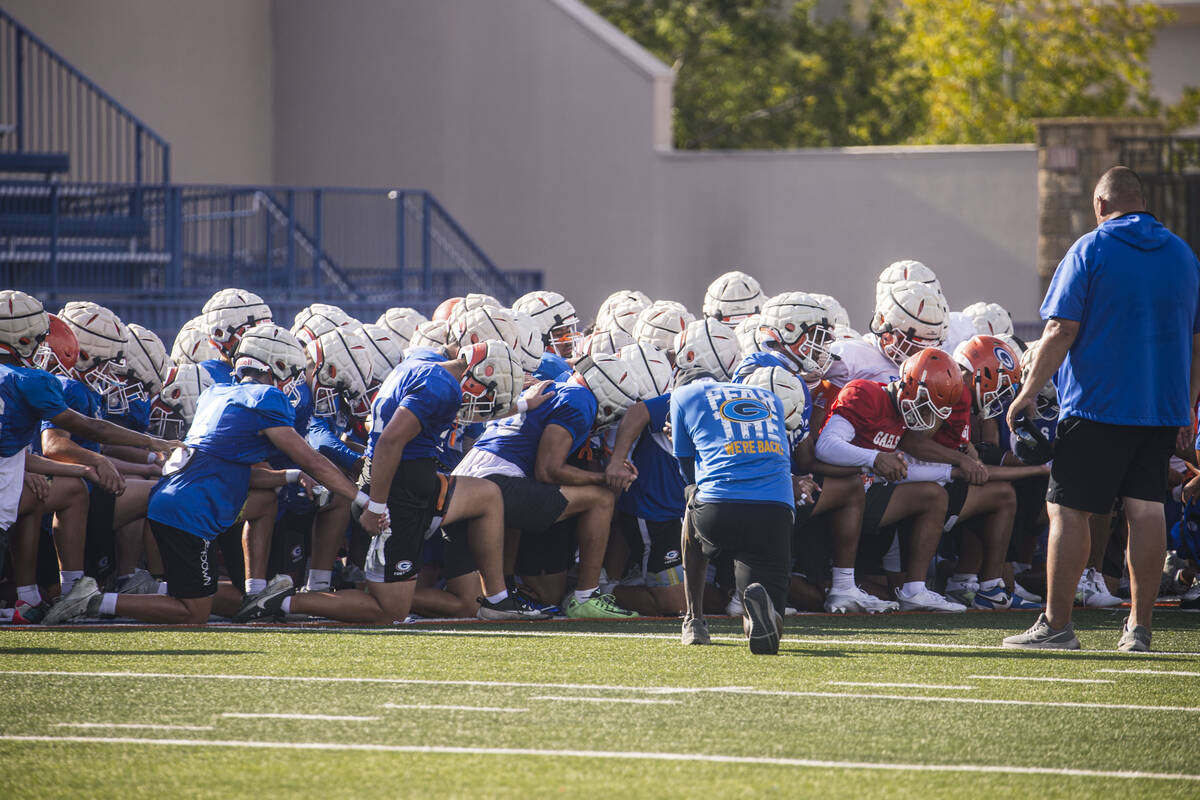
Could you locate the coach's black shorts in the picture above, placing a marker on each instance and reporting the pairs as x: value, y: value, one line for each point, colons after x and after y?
x: 757, y: 535
x: 417, y: 502
x: 187, y: 562
x: 1095, y: 463
x: 529, y: 506
x: 655, y: 545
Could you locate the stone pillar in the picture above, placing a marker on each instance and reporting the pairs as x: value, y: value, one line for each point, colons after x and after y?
x: 1073, y: 152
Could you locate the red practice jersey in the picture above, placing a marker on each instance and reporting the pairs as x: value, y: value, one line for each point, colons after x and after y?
x: 869, y: 408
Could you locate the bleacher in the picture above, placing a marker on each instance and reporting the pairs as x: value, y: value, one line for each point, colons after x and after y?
x: 87, y: 211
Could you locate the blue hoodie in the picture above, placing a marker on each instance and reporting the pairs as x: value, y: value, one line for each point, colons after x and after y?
x: 1134, y: 288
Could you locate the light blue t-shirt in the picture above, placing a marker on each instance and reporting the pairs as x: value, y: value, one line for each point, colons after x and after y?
x: 1134, y: 288
x: 737, y: 437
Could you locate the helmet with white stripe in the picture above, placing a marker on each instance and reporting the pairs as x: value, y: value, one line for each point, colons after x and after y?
x: 706, y: 347
x: 529, y: 347
x: 652, y: 363
x: 318, y: 319
x: 385, y: 349
x: 732, y: 297
x: 556, y: 317
x: 483, y: 323
x: 910, y: 317
x: 23, y: 324
x: 229, y: 313
x: 745, y: 332
x: 435, y: 333
x: 192, y: 344
x: 173, y: 410
x: 788, y: 387
x: 661, y: 322
x: 906, y: 270
x: 401, y: 321
x: 492, y: 382
x: 274, y: 350
x: 605, y: 341
x: 614, y: 383
x: 145, y: 363
x: 620, y: 311
x: 103, y: 340
x: 797, y: 326
x: 836, y: 311
x: 342, y: 370
x: 989, y: 319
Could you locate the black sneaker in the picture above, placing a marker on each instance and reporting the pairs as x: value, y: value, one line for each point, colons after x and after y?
x: 511, y: 607
x: 267, y: 604
x: 762, y: 623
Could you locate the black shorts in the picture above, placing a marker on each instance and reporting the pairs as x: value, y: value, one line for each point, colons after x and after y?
x: 875, y: 541
x: 100, y: 544
x: 656, y: 545
x: 290, y: 543
x: 529, y: 506
x: 450, y: 552
x: 187, y: 562
x: 757, y: 535
x: 548, y: 552
x: 1095, y: 463
x: 956, y: 494
x: 417, y: 502
x: 812, y: 549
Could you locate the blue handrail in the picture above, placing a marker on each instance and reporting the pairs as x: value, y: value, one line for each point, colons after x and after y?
x: 50, y: 106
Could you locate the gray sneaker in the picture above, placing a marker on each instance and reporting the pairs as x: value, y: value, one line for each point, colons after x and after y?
x: 762, y: 623
x: 1136, y: 640
x: 1042, y: 637
x: 75, y: 604
x: 695, y: 631
x: 140, y: 582
x: 268, y: 603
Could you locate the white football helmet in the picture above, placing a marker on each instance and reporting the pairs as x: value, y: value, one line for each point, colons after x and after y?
x: 789, y: 389
x: 837, y: 312
x: 483, y: 323
x: 145, y: 363
x: 103, y: 339
x: 434, y: 333
x: 401, y: 321
x: 910, y: 317
x: 227, y: 315
x: 317, y: 320
x: 745, y: 332
x: 706, y: 346
x: 614, y: 384
x: 24, y: 323
x: 990, y: 319
x: 556, y: 317
x: 272, y: 349
x: 529, y: 342
x: 732, y: 297
x: 906, y: 270
x: 173, y: 410
x: 385, y: 349
x: 661, y: 322
x: 620, y: 311
x: 492, y: 383
x: 797, y: 326
x: 1047, y: 396
x: 192, y: 344
x: 342, y: 369
x: 652, y: 363
x: 605, y: 341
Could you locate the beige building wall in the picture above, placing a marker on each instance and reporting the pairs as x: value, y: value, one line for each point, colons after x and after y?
x: 198, y: 73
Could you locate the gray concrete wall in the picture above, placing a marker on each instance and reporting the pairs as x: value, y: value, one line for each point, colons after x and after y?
x: 198, y: 73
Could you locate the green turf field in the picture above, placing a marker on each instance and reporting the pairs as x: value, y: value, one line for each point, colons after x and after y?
x: 899, y: 706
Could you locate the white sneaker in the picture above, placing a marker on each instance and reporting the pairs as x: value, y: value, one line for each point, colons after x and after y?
x: 1093, y: 591
x: 1193, y: 591
x: 928, y: 600
x: 734, y: 607
x: 1023, y: 593
x: 856, y: 601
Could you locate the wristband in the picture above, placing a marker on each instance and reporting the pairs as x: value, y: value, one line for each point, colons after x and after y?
x: 151, y: 458
x: 362, y: 499
x: 293, y: 475
x: 522, y: 405
x: 376, y: 508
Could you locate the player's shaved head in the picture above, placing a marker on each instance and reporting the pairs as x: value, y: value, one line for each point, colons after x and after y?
x: 1121, y: 190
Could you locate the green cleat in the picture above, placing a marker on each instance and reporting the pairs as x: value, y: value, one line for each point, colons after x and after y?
x: 598, y: 606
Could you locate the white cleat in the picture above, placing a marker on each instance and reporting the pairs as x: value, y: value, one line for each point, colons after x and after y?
x: 856, y: 601
x: 928, y: 600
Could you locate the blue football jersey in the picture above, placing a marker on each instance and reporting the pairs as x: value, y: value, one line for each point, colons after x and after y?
x: 83, y: 400
x: 206, y: 496
x: 759, y: 359
x: 218, y: 370
x: 136, y: 418
x: 737, y: 437
x: 553, y: 367
x: 324, y: 435
x: 27, y: 396
x: 429, y: 391
x: 657, y: 494
x: 516, y: 439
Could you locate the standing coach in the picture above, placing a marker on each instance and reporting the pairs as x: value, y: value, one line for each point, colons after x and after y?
x: 1121, y: 331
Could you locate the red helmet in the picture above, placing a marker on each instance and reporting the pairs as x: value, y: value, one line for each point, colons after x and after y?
x: 992, y: 372
x: 928, y: 387
x: 442, y: 312
x: 59, y: 351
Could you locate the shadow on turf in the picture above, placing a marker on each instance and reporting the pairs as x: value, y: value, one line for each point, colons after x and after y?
x: 54, y: 651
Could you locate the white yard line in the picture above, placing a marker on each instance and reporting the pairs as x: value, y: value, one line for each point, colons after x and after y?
x: 134, y: 725
x: 636, y: 701
x: 426, y: 707
x: 1178, y: 673
x: 1029, y: 678
x: 898, y: 685
x: 977, y: 700
x: 317, y: 717
x: 1005, y: 769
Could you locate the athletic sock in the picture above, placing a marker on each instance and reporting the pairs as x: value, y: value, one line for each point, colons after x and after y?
x: 1020, y: 566
x: 108, y: 603
x: 990, y: 584
x: 319, y: 579
x: 29, y: 594
x: 162, y: 588
x: 843, y: 579
x: 255, y: 585
x: 911, y: 588
x: 583, y: 595
x: 286, y: 605
x: 961, y: 580
x: 496, y: 598
x: 68, y: 578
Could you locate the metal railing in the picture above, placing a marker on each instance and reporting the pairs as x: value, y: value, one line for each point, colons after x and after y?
x: 159, y: 251
x: 48, y: 106
x: 1169, y: 167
